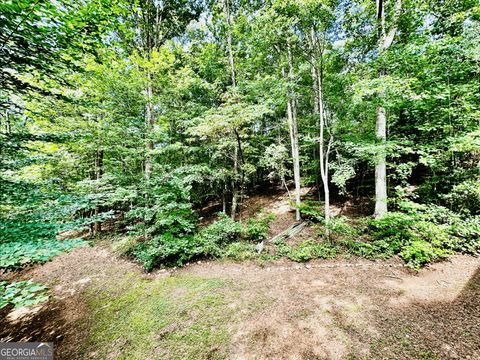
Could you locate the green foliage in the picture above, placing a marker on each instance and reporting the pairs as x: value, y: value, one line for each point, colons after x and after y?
x: 219, y: 239
x: 312, y: 209
x: 75, y: 142
x: 166, y: 249
x: 14, y: 255
x: 240, y: 251
x: 465, y: 197
x: 340, y: 228
x: 22, y: 293
x: 164, y: 220
x: 125, y: 245
x: 256, y: 229
x: 420, y: 235
x: 162, y: 206
x: 419, y: 253
x: 213, y: 238
x: 172, y: 248
x: 307, y: 250
x: 17, y: 229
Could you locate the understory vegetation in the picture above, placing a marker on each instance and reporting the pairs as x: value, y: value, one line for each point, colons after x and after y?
x: 135, y: 121
x: 220, y: 239
x: 21, y: 293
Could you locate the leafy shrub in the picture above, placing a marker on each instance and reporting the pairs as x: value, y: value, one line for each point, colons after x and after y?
x: 256, y: 230
x: 240, y: 251
x: 166, y: 249
x: 19, y: 229
x: 21, y: 293
x: 339, y: 229
x: 164, y: 219
x: 419, y: 253
x: 213, y: 238
x: 18, y: 254
x: 312, y: 210
x: 307, y: 250
x: 465, y: 197
x: 176, y: 249
x: 419, y: 235
x: 126, y: 245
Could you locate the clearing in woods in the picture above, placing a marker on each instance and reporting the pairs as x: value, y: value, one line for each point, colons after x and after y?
x: 104, y: 307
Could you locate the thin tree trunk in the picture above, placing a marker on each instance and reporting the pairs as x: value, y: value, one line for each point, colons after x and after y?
x: 234, y: 183
x: 226, y: 10
x: 8, y: 128
x: 97, y: 226
x: 224, y: 199
x: 385, y: 40
x: 314, y: 71
x: 323, y: 153
x: 237, y: 151
x: 293, y: 130
x: 149, y: 121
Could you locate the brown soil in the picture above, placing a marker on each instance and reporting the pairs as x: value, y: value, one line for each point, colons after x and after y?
x: 63, y: 319
x: 340, y: 309
x: 335, y: 309
x: 321, y: 310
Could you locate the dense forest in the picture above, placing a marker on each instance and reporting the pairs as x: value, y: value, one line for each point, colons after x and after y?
x: 163, y: 129
x: 129, y: 117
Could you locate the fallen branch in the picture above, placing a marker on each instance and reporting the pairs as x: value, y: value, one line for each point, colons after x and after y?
x: 288, y: 233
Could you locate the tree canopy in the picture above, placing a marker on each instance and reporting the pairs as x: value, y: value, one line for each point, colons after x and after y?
x: 130, y: 116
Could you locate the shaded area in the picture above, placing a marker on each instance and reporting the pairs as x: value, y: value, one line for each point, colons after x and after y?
x: 332, y: 309
x: 57, y: 321
x: 449, y: 329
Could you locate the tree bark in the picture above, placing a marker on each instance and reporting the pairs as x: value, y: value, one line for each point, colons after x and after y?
x: 381, y: 166
x: 293, y: 130
x: 384, y: 42
x: 320, y: 107
x: 226, y: 10
x: 234, y: 183
x: 238, y: 149
x: 97, y: 226
x: 323, y: 152
x: 149, y: 122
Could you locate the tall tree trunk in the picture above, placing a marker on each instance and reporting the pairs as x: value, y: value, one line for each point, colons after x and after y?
x: 224, y: 198
x: 237, y: 151
x: 384, y: 42
x: 381, y: 166
x: 323, y: 153
x: 97, y: 226
x: 8, y: 128
x: 234, y: 183
x: 226, y: 10
x: 293, y: 130
x: 149, y: 121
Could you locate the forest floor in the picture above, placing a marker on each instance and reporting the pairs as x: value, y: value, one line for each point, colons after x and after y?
x: 105, y: 307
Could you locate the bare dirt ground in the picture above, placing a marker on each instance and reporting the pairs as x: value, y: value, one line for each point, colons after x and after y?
x: 339, y: 309
x: 335, y: 309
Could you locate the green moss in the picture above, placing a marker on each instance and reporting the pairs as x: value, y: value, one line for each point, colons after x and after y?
x: 179, y: 317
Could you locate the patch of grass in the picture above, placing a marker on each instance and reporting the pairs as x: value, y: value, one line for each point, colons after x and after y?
x: 179, y: 317
x: 307, y: 250
x: 241, y: 251
x: 400, y: 344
